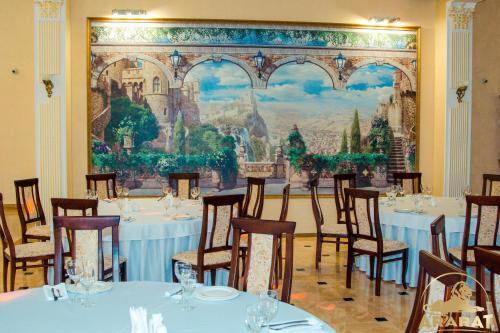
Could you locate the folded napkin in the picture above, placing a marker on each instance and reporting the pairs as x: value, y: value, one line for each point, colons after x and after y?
x: 59, y: 291
x: 140, y: 324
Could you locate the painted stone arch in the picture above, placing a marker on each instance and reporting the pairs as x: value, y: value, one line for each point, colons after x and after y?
x: 409, y: 73
x: 336, y: 84
x: 98, y: 71
x: 254, y: 80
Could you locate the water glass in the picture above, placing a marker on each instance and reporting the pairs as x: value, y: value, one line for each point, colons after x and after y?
x: 119, y: 190
x: 400, y: 190
x: 166, y: 189
x: 268, y: 305
x: 74, y: 271
x: 254, y: 319
x: 125, y: 191
x: 195, y: 192
x: 417, y: 200
x: 87, y: 279
x: 188, y: 285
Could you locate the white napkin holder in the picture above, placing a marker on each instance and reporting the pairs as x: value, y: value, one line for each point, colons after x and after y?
x: 59, y: 289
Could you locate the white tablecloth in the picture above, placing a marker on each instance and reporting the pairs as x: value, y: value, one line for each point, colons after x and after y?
x: 414, y: 230
x: 28, y: 311
x: 152, y: 238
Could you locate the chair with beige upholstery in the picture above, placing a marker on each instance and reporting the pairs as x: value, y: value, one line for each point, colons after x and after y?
x: 410, y: 181
x: 438, y: 239
x: 182, y: 183
x: 486, y: 232
x: 86, y: 207
x: 263, y: 236
x: 30, y: 211
x: 333, y: 233
x: 104, y: 184
x: 436, y: 279
x: 214, y: 249
x: 491, y: 184
x: 24, y: 253
x: 254, y: 199
x: 366, y: 238
x: 86, y: 232
x: 489, y: 260
x: 340, y: 182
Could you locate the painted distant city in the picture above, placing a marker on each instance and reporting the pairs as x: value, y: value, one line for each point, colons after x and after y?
x: 219, y: 112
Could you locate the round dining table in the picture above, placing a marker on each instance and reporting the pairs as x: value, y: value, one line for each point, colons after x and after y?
x: 150, y: 235
x: 29, y: 311
x: 399, y: 222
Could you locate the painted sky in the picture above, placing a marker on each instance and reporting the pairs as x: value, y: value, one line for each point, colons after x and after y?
x: 296, y: 87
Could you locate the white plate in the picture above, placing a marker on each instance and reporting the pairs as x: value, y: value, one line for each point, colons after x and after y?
x: 215, y: 293
x: 97, y: 288
x: 182, y: 216
x: 403, y: 210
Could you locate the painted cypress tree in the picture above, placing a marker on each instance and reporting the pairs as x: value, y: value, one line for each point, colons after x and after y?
x: 179, y: 135
x: 355, y: 134
x: 344, y: 149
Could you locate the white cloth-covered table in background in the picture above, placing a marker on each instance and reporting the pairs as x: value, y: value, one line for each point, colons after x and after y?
x: 110, y: 313
x: 414, y: 230
x: 151, y: 239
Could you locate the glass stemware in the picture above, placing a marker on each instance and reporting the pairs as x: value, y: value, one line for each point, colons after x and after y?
x: 268, y: 305
x: 400, y: 190
x: 119, y: 190
x: 74, y: 271
x: 125, y: 191
x: 166, y: 189
x: 87, y: 279
x: 188, y: 285
x: 255, y: 319
x: 195, y: 192
x: 182, y: 271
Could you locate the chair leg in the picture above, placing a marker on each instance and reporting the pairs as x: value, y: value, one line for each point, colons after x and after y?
x: 174, y: 278
x: 213, y: 276
x: 372, y: 266
x: 378, y: 278
x: 13, y: 274
x: 337, y: 244
x: 405, y: 268
x: 243, y: 261
x: 45, y: 271
x: 5, y: 269
x: 123, y: 272
x: 280, y: 260
x: 350, y: 262
x: 319, y: 243
x: 200, y: 275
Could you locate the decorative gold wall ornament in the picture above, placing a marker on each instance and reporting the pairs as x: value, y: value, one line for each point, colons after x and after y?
x: 48, y: 87
x: 50, y: 8
x: 461, y: 13
x: 461, y: 92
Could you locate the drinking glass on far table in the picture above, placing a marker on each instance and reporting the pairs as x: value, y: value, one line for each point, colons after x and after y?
x: 400, y: 190
x: 255, y: 319
x: 119, y: 190
x: 195, y: 192
x: 87, y: 279
x: 268, y: 305
x: 74, y: 270
x: 125, y: 192
x: 166, y: 189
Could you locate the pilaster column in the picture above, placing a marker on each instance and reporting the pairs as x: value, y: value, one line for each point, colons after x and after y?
x: 50, y: 100
x: 458, y: 96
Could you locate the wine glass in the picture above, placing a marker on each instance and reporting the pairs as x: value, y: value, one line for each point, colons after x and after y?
x: 401, y: 190
x: 268, y: 305
x: 181, y: 271
x: 166, y: 189
x: 119, y: 190
x: 188, y: 285
x: 466, y: 191
x: 74, y: 271
x: 195, y: 192
x: 87, y: 279
x: 125, y: 191
x: 254, y: 319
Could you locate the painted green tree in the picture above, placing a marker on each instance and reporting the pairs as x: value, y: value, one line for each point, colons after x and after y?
x: 344, y: 149
x: 204, y: 139
x: 296, y: 148
x: 259, y: 148
x: 179, y: 135
x: 355, y: 134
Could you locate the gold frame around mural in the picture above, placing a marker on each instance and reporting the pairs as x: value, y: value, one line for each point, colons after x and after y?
x: 417, y: 29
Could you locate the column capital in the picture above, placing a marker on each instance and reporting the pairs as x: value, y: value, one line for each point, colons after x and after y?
x: 50, y: 8
x: 460, y: 11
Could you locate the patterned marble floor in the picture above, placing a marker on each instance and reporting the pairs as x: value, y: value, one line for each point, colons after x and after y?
x: 322, y: 292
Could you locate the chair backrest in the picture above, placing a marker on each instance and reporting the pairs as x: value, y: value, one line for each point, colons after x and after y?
x: 183, y: 182
x: 366, y: 227
x: 28, y: 203
x: 263, y: 238
x: 254, y: 199
x: 487, y: 223
x: 85, y: 225
x: 490, y: 260
x: 340, y: 182
x: 5, y: 236
x: 491, y: 184
x: 284, y: 202
x: 410, y: 181
x: 432, y: 267
x: 224, y: 207
x: 316, y: 206
x: 103, y: 183
x: 438, y: 239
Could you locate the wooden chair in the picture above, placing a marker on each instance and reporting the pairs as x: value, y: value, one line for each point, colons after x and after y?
x: 24, y: 253
x: 333, y: 233
x: 182, y: 183
x: 491, y: 184
x: 254, y: 199
x: 103, y: 183
x: 82, y: 207
x: 262, y: 253
x: 214, y: 251
x: 342, y: 181
x: 438, y: 239
x: 367, y: 238
x: 490, y: 260
x: 432, y: 267
x: 30, y: 211
x: 410, y: 181
x: 86, y: 223
x: 486, y: 233
x: 285, y: 198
